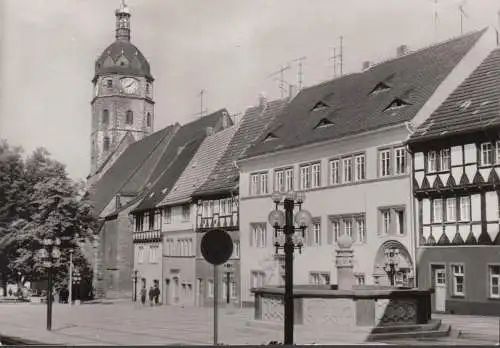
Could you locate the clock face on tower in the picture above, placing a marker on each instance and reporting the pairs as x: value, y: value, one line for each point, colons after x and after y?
x: 130, y: 85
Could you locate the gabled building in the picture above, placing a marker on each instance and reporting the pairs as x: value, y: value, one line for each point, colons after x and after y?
x: 217, y: 204
x: 342, y: 142
x: 151, y: 220
x: 456, y: 171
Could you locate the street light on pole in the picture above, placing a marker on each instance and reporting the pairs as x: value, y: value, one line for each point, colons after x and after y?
x: 50, y: 255
x: 285, y: 238
x: 70, y: 282
x: 134, y: 277
x: 391, y: 263
x: 76, y: 279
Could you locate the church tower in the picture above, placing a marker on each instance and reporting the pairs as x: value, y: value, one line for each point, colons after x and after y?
x: 123, y: 105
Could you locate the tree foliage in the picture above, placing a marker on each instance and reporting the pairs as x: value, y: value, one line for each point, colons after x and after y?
x: 38, y: 200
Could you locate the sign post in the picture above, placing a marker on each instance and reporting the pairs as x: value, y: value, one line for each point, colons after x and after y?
x: 216, y: 248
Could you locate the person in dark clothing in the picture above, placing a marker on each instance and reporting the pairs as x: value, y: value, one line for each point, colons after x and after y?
x: 157, y: 294
x: 143, y: 295
x: 151, y: 295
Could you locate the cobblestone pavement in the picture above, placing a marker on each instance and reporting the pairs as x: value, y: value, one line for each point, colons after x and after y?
x: 125, y: 323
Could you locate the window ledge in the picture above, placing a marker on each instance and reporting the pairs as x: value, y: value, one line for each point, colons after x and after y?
x: 456, y: 296
x: 438, y: 172
x: 493, y: 298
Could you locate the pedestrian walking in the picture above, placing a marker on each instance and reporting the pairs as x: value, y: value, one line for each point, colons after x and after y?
x: 151, y: 296
x: 157, y: 295
x: 143, y: 295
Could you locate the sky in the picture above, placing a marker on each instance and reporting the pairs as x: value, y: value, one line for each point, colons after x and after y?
x: 229, y: 48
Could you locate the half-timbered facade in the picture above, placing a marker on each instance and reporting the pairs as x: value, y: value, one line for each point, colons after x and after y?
x: 456, y: 171
x: 342, y: 143
x: 218, y: 204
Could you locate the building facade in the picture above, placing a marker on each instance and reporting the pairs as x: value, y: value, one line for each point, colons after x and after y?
x: 342, y: 142
x: 456, y: 158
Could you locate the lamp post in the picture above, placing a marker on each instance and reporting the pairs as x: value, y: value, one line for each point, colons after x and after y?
x: 70, y: 282
x: 391, y: 263
x: 228, y: 268
x: 285, y: 238
x: 95, y: 246
x: 76, y: 279
x: 50, y: 255
x: 134, y: 277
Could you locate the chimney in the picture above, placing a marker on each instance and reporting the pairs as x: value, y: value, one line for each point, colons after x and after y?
x: 402, y: 50
x: 210, y: 131
x: 118, y: 201
x: 262, y: 99
x: 366, y: 65
x: 225, y: 120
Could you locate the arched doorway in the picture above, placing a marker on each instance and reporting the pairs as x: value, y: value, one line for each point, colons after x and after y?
x: 404, y: 276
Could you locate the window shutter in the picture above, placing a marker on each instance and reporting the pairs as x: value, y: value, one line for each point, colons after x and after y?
x: 329, y: 233
x: 251, y: 234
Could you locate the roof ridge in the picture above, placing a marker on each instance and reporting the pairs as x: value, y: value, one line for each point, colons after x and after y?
x: 204, y: 117
x: 419, y: 50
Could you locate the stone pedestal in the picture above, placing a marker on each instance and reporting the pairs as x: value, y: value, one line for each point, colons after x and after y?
x: 344, y: 263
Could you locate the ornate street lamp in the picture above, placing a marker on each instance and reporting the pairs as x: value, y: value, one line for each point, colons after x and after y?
x: 284, y: 224
x: 135, y: 277
x: 76, y: 280
x: 50, y: 255
x: 391, y: 263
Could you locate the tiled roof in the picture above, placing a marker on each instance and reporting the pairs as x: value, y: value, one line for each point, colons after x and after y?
x: 474, y: 105
x: 225, y: 176
x: 124, y: 167
x: 201, y: 165
x: 353, y: 104
x: 176, y: 157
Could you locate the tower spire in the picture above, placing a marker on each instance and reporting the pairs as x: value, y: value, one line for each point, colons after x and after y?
x: 123, y: 22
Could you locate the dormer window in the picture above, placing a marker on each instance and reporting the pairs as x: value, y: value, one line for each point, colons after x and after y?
x: 105, y: 117
x: 324, y: 122
x: 396, y: 104
x: 319, y: 106
x: 109, y: 83
x: 380, y: 87
x: 106, y: 143
x: 270, y: 136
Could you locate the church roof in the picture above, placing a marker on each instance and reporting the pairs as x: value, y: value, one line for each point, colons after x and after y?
x: 177, y: 155
x: 225, y: 176
x: 200, y: 166
x: 474, y: 105
x: 126, y: 165
x: 122, y: 57
x: 386, y: 94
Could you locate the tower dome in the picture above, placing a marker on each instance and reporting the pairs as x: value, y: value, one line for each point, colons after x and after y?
x: 122, y: 57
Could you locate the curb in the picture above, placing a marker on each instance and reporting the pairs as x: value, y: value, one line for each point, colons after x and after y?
x: 18, y: 341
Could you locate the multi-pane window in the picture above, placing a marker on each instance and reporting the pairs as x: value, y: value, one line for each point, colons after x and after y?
x: 386, y: 221
x: 360, y: 279
x: 494, y: 281
x: 458, y: 280
x: 347, y: 169
x: 497, y: 146
x: 258, y: 184
x: 279, y: 180
x: 316, y: 233
x: 486, y: 154
x: 148, y: 120
x: 314, y: 278
x: 316, y: 175
x: 432, y: 161
x: 153, y: 254
x: 400, y: 221
x: 385, y: 163
x: 437, y: 210
x: 140, y: 254
x: 361, y: 225
x: 444, y: 159
x: 258, y: 235
x: 465, y: 208
x: 400, y: 160
x: 236, y: 250
x: 109, y: 83
x: 210, y: 288
x: 186, y: 212
x: 288, y: 179
x: 348, y: 227
x: 305, y: 177
x: 319, y: 278
x: 334, y: 172
x: 139, y: 222
x: 167, y: 215
x: 451, y: 209
x: 336, y: 229
x: 257, y: 279
x: 360, y: 167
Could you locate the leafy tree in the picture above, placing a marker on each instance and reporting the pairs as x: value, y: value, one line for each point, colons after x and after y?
x: 49, y: 206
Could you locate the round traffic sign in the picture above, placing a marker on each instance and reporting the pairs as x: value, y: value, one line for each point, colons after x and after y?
x: 216, y: 246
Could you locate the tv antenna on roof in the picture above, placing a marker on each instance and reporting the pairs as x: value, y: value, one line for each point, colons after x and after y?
x: 281, y: 73
x: 463, y: 15
x: 435, y: 18
x: 300, y: 74
x: 337, y: 58
x: 203, y: 109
